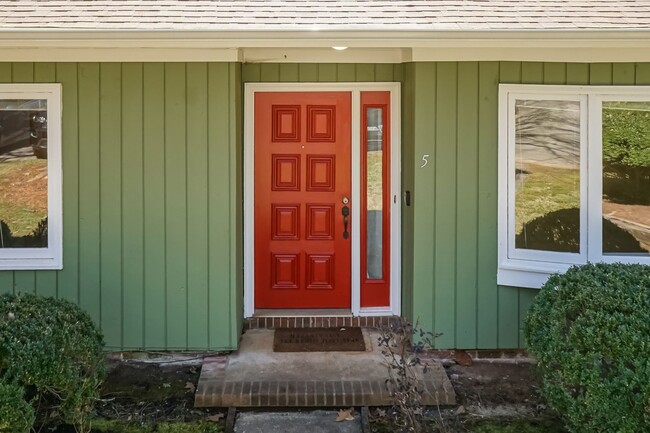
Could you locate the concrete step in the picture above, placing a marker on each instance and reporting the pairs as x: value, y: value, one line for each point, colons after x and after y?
x: 294, y: 422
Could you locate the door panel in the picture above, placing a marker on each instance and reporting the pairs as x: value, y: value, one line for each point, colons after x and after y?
x: 302, y: 175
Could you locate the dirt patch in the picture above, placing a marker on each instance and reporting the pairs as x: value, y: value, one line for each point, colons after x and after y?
x: 150, y: 397
x: 498, y: 397
x: 145, y: 392
x: 494, y: 384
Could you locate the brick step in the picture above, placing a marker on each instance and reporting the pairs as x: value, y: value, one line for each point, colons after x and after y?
x: 316, y: 322
x: 310, y: 394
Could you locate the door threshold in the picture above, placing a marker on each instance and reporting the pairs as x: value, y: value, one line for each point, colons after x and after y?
x: 303, y: 312
x: 320, y: 318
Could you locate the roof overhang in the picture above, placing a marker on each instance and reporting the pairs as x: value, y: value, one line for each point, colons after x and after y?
x: 315, y: 45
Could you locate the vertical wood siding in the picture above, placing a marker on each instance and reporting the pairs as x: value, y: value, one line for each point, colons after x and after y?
x: 152, y: 201
x: 152, y: 194
x: 455, y: 202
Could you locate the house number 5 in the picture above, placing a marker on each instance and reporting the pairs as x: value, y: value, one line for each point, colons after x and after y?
x: 425, y: 160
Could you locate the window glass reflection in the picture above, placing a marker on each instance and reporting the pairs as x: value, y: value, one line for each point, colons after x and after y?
x: 23, y: 173
x: 626, y: 177
x: 374, y: 193
x: 547, y: 175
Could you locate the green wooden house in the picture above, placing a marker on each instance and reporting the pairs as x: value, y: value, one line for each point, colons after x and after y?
x: 179, y: 167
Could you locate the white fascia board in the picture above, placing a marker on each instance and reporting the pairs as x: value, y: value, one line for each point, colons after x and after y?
x: 133, y: 54
x: 317, y: 38
x: 302, y: 46
x: 533, y: 54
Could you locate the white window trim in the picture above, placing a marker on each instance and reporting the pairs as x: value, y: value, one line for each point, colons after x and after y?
x: 52, y: 256
x: 527, y: 268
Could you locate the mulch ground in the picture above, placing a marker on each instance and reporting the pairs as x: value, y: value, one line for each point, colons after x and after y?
x: 499, y: 394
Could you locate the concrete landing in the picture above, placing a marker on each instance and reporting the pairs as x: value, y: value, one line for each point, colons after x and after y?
x: 255, y: 376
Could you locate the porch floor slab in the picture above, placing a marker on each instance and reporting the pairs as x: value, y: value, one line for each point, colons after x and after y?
x: 255, y: 376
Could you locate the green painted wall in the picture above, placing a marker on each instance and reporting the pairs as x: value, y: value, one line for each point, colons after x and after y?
x: 455, y: 201
x: 152, y: 157
x: 152, y: 201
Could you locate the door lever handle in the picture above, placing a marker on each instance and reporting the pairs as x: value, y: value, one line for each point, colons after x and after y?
x: 345, y: 211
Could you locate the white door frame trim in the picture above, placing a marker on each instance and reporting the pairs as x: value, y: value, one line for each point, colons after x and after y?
x: 395, y: 179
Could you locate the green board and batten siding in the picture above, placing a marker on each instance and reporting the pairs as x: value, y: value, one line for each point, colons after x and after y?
x: 455, y: 109
x: 152, y: 201
x: 152, y: 194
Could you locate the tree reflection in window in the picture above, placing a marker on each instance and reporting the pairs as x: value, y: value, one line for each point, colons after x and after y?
x: 626, y: 174
x: 547, y: 175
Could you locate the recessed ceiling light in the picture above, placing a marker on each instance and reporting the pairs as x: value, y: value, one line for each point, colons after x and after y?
x: 340, y: 48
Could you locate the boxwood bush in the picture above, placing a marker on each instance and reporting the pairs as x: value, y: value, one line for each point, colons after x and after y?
x: 52, y: 350
x: 16, y: 415
x: 590, y: 332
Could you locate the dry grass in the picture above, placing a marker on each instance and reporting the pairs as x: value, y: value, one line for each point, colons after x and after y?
x: 375, y: 180
x: 544, y: 189
x: 23, y: 194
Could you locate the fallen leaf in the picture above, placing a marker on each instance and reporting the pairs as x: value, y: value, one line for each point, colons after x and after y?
x: 462, y: 358
x: 345, y: 415
x: 190, y: 386
x: 216, y: 417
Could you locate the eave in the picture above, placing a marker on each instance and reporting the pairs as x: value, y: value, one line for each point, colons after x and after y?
x: 393, y: 46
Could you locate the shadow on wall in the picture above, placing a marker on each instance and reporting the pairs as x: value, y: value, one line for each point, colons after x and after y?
x: 560, y: 231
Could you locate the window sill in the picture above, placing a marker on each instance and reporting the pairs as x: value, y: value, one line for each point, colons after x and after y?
x: 528, y: 274
x: 30, y: 264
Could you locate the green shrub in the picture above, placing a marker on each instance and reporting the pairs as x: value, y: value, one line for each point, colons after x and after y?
x: 590, y: 332
x: 16, y: 415
x: 51, y: 349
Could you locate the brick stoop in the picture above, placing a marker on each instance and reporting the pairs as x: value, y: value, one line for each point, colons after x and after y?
x: 214, y: 390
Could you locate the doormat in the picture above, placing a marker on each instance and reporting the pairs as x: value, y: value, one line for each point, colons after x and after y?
x: 318, y: 340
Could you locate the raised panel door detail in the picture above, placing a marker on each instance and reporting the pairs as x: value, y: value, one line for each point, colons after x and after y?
x: 285, y: 222
x: 302, y: 172
x: 286, y: 172
x: 321, y: 123
x: 320, y: 222
x: 285, y: 123
x: 321, y: 172
x: 320, y: 271
x: 285, y: 271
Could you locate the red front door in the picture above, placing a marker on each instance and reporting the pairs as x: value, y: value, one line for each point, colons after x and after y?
x: 302, y: 181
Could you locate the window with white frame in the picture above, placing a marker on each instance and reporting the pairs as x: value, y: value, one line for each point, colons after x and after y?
x: 30, y: 176
x: 574, y: 179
